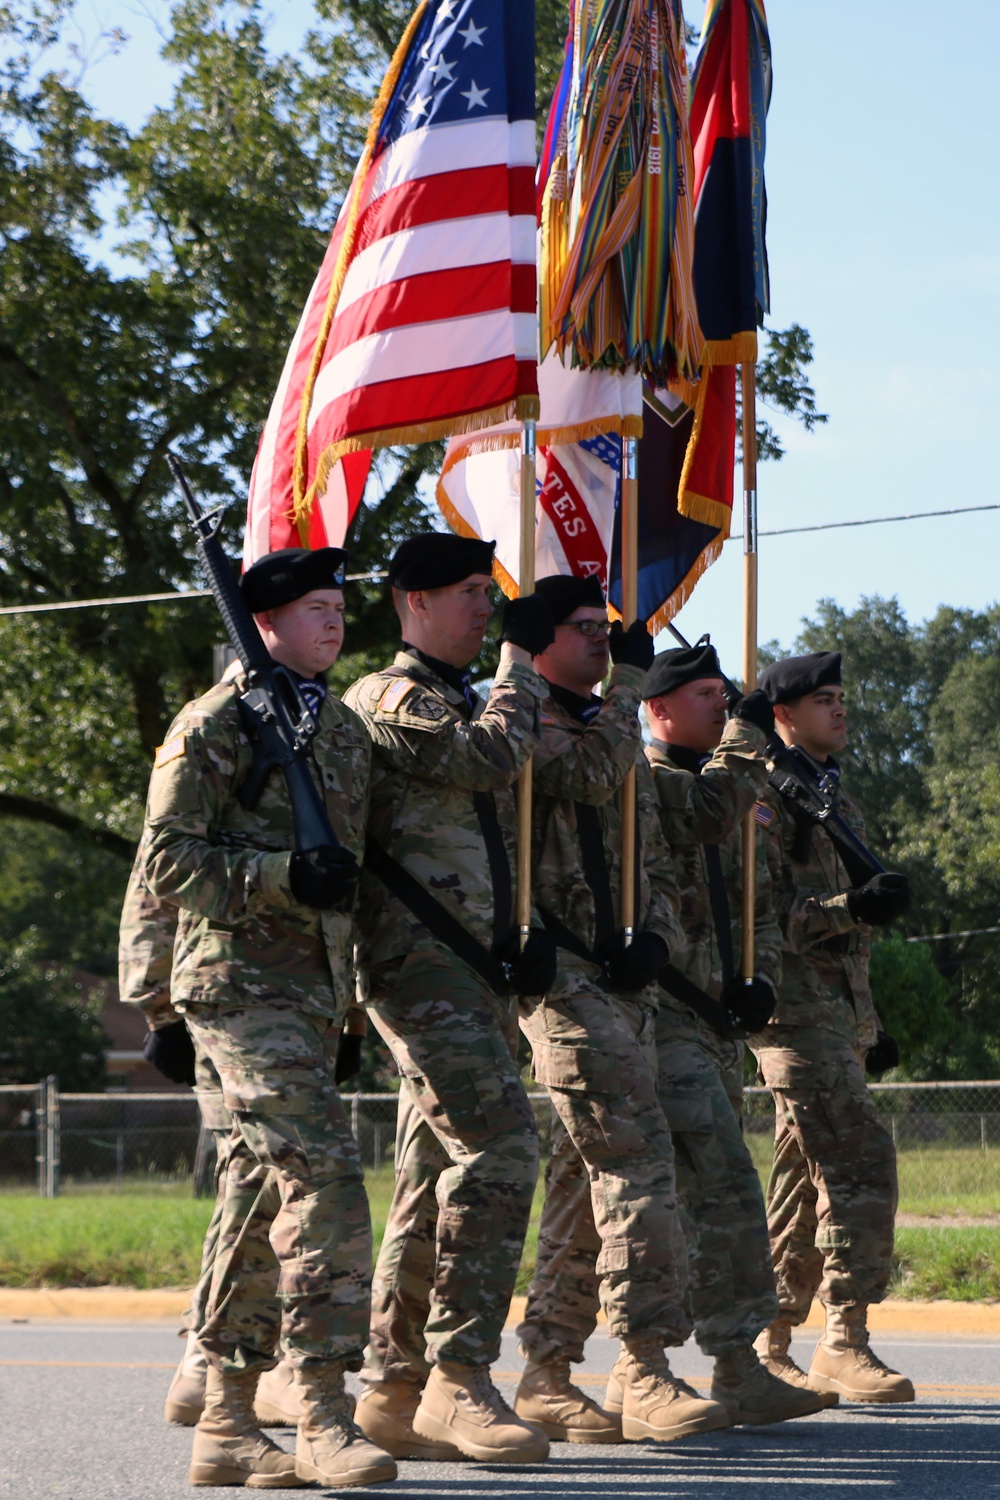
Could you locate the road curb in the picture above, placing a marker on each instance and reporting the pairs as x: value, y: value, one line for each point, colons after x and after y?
x: 110, y: 1304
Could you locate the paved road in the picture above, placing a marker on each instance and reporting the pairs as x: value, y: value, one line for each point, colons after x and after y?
x: 81, y: 1413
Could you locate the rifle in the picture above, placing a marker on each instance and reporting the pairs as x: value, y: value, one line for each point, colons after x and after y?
x: 278, y: 721
x: 794, y: 779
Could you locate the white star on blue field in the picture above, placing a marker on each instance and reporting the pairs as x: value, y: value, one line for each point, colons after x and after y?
x: 456, y: 69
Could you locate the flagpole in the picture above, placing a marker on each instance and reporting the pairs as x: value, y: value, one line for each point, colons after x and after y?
x: 748, y: 376
x: 526, y: 585
x: 630, y: 589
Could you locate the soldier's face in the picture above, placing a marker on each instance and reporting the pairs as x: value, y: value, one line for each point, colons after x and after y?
x: 817, y: 722
x: 578, y: 657
x: 307, y: 634
x: 451, y: 621
x: 693, y: 715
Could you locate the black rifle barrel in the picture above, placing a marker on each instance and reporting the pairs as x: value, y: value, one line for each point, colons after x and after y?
x: 275, y: 715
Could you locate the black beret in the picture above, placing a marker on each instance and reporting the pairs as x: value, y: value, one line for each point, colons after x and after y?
x: 798, y: 675
x: 437, y: 558
x: 676, y: 668
x: 565, y: 594
x: 281, y: 577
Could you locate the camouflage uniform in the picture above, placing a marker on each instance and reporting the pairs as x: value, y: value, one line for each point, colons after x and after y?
x: 145, y: 954
x: 832, y: 1192
x: 263, y: 983
x: 592, y: 1048
x: 439, y: 777
x: 700, y: 1072
x: 699, y: 1076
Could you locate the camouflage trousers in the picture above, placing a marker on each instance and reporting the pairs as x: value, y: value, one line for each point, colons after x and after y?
x: 447, y: 1033
x: 293, y: 1167
x: 245, y: 1241
x: 731, y: 1294
x: 832, y: 1194
x: 595, y: 1055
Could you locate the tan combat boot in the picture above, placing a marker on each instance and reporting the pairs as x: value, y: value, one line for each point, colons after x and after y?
x: 547, y: 1397
x: 461, y: 1405
x: 278, y: 1403
x: 186, y: 1396
x: 329, y: 1448
x: 385, y: 1415
x: 844, y: 1363
x: 753, y: 1396
x: 229, y: 1448
x: 772, y: 1346
x: 653, y: 1402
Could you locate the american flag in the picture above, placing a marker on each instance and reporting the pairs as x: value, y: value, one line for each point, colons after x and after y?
x: 421, y: 322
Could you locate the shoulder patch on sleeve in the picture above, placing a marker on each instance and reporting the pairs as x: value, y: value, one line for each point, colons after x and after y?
x: 763, y: 814
x: 394, y: 695
x: 171, y: 749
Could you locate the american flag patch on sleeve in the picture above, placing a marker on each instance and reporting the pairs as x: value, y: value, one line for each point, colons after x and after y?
x: 763, y: 814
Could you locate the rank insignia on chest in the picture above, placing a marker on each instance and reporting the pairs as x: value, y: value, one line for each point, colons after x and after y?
x: 394, y: 694
x: 171, y: 749
x: 763, y: 814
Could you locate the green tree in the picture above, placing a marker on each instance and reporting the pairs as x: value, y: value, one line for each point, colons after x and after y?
x: 45, y: 1025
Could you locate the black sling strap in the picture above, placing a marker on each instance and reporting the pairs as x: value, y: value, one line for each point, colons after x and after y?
x: 439, y: 922
x: 721, y: 917
x: 496, y: 855
x: 679, y: 985
x: 595, y: 873
x: 688, y: 993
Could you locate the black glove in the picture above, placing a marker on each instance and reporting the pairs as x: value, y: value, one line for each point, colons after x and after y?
x: 754, y: 708
x: 750, y: 1005
x: 325, y: 878
x: 527, y: 622
x: 881, y: 900
x: 632, y: 647
x: 348, y: 1063
x: 533, y: 968
x: 884, y: 1054
x: 632, y: 968
x: 171, y: 1051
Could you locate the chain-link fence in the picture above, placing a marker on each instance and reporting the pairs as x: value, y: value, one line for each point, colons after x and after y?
x: 947, y: 1136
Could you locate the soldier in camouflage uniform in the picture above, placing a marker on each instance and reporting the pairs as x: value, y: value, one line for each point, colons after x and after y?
x: 437, y: 912
x: 832, y: 1192
x: 701, y: 798
x: 262, y: 973
x: 592, y: 1034
x: 705, y: 786
x: 242, y: 1217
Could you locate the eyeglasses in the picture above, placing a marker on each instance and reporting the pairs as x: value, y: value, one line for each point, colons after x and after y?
x: 589, y: 628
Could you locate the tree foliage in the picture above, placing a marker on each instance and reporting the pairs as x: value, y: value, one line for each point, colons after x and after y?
x: 924, y: 760
x: 150, y: 280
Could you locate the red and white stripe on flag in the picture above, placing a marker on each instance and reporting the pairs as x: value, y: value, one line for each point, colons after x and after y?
x: 576, y: 486
x: 422, y: 319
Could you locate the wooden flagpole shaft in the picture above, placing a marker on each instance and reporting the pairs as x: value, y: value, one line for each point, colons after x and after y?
x: 526, y: 584
x: 748, y: 375
x: 630, y: 592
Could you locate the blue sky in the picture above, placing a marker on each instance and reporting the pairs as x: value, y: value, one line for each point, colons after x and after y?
x: 883, y: 241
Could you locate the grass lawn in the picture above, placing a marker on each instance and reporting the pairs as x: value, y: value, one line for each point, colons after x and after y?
x: 143, y: 1236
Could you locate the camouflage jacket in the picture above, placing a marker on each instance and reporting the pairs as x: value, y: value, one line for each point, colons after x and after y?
x: 241, y: 932
x: 825, y: 952
x: 146, y: 936
x: 430, y: 756
x: 587, y: 763
x: 707, y: 808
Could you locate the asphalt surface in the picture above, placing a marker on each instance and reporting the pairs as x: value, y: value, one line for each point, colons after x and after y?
x: 81, y: 1407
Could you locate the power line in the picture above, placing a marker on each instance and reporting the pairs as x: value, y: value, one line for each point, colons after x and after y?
x: 375, y: 575
x: 916, y: 515
x: 940, y: 937
x: 178, y: 596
